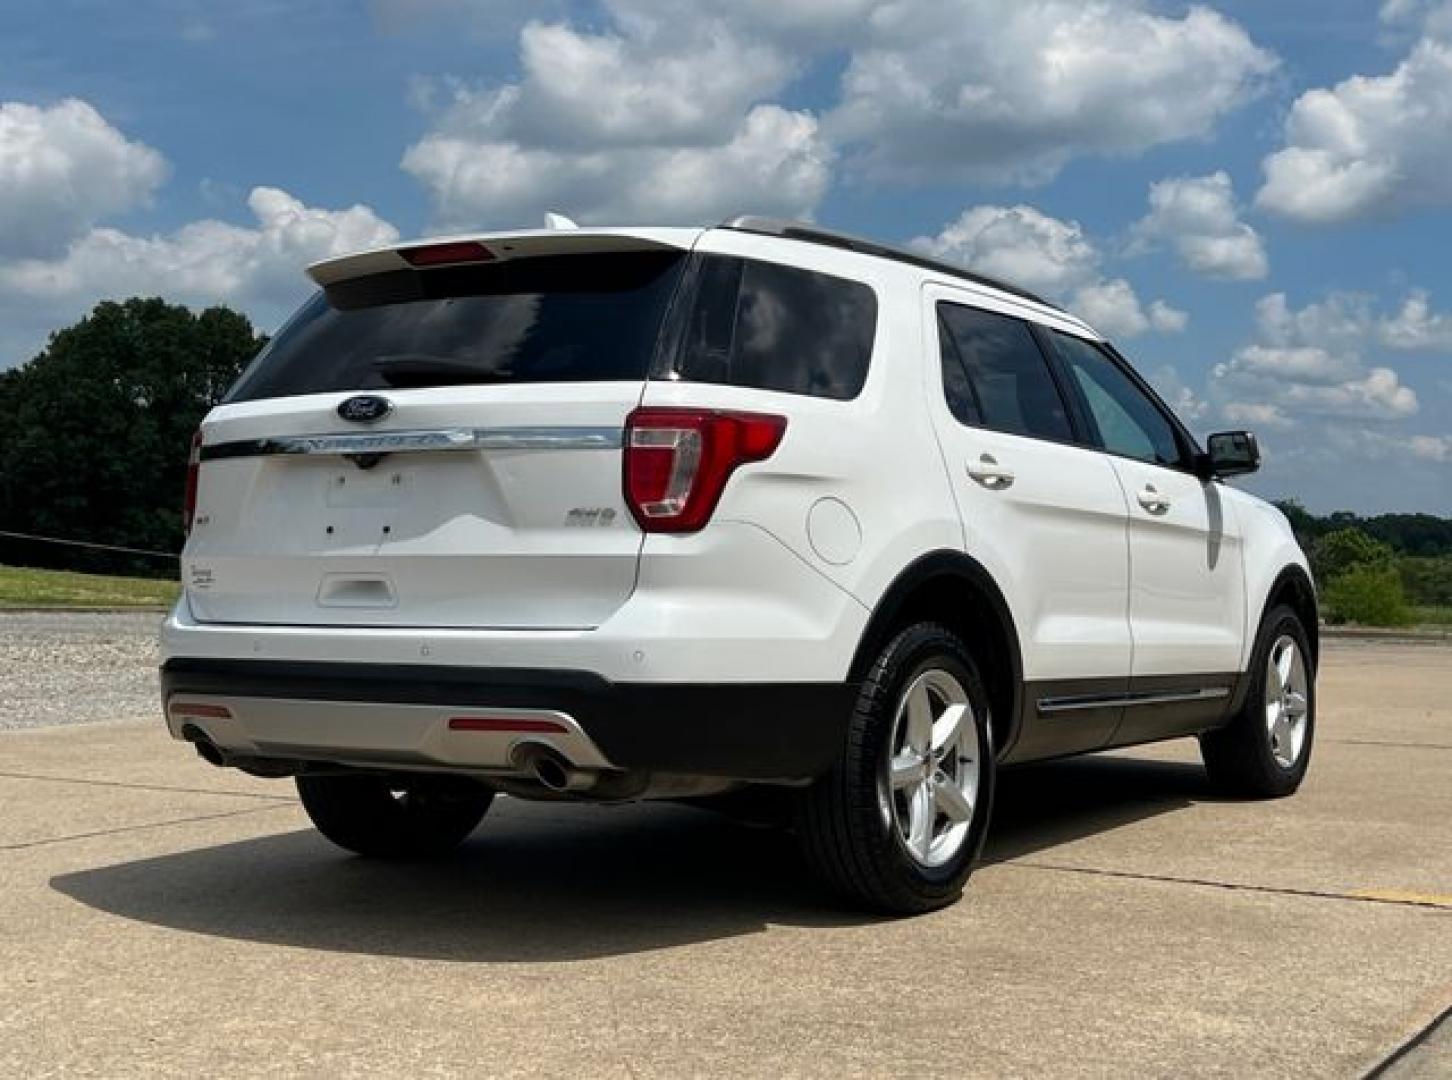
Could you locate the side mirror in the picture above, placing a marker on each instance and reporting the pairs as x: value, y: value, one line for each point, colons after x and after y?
x: 1231, y: 453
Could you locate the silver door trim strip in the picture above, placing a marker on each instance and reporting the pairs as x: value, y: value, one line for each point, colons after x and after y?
x: 1116, y: 701
x: 427, y: 440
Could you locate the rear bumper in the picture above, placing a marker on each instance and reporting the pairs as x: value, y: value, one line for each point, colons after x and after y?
x: 401, y: 714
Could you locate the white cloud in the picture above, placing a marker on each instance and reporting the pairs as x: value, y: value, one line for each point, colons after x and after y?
x: 1019, y: 244
x: 646, y: 122
x: 1255, y: 414
x: 1166, y: 319
x: 775, y: 163
x: 63, y: 168
x: 1340, y: 321
x: 1416, y: 326
x: 982, y: 90
x: 1300, y: 363
x: 1112, y: 308
x: 1197, y: 216
x: 1379, y: 395
x: 1026, y: 247
x: 258, y: 269
x: 1431, y: 447
x: 810, y: 24
x: 1309, y: 362
x: 1431, y: 16
x: 1371, y: 145
x: 596, y: 90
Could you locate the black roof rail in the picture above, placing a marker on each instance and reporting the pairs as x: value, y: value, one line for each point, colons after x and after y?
x: 800, y: 230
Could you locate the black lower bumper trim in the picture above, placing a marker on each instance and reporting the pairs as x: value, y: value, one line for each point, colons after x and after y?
x: 747, y: 731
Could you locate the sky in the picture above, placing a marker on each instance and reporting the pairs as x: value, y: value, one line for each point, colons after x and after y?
x: 1254, y: 200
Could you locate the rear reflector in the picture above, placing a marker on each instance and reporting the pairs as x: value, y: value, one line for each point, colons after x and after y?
x: 199, y: 709
x: 506, y: 723
x: 677, y: 461
x: 462, y: 251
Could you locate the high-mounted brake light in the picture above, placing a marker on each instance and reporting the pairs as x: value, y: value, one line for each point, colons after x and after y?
x: 460, y: 251
x: 194, y: 471
x: 677, y: 461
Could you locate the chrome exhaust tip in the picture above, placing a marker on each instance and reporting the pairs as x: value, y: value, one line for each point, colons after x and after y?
x: 550, y: 769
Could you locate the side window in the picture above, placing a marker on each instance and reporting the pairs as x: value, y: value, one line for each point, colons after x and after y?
x: 776, y: 327
x: 962, y: 401
x: 1129, y: 422
x: 1005, y: 381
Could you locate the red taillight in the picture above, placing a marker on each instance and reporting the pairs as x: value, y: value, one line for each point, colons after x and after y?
x: 677, y: 461
x: 194, y: 469
x: 461, y: 251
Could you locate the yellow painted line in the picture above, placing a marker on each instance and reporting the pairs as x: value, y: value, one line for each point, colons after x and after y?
x: 1404, y: 896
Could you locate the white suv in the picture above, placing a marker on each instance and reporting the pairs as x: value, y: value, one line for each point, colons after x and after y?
x: 608, y: 514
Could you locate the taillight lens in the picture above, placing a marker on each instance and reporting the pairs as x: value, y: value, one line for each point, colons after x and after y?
x: 194, y: 469
x: 677, y: 461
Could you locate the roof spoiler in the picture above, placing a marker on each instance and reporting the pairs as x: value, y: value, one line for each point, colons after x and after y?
x: 496, y: 247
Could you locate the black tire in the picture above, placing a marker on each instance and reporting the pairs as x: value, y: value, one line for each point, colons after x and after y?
x: 1240, y: 758
x: 398, y: 817
x: 841, y: 819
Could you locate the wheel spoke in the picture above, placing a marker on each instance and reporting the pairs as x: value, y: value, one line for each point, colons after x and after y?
x: 920, y: 821
x: 920, y: 719
x: 948, y: 728
x: 1284, y: 662
x: 905, y: 769
x: 1281, y: 737
x: 953, y: 802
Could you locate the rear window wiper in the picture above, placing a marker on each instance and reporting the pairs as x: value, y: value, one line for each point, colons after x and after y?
x: 418, y: 369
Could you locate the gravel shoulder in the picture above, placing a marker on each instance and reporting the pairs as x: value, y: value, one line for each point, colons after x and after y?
x: 75, y: 667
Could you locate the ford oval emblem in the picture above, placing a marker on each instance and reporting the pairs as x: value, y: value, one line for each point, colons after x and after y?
x: 365, y: 409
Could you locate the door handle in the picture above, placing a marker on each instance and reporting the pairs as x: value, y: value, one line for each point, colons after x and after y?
x: 988, y: 472
x: 1151, y: 499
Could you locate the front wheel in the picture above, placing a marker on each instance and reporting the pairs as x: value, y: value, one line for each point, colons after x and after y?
x: 388, y: 817
x: 1264, y: 752
x: 898, y: 822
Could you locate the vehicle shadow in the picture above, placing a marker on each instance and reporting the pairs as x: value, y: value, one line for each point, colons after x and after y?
x: 548, y: 883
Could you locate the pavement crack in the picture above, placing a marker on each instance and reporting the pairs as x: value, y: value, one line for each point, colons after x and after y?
x: 136, y: 828
x: 141, y: 787
x: 1396, y: 745
x: 1411, y: 1045
x: 1276, y: 890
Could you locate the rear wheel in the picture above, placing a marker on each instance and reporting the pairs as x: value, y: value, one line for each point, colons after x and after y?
x: 390, y: 817
x: 898, y: 823
x: 1264, y: 752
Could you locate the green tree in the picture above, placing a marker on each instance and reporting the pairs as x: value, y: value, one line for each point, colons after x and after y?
x: 1368, y: 594
x: 97, y: 426
x: 1344, y: 549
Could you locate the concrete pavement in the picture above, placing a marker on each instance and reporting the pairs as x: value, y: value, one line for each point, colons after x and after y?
x: 161, y: 917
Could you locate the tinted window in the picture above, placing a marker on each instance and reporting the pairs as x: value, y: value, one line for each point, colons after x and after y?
x: 1005, y: 382
x: 1129, y: 422
x: 575, y: 318
x: 962, y: 400
x: 777, y: 327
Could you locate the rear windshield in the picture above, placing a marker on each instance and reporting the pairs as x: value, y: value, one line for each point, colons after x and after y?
x: 570, y: 318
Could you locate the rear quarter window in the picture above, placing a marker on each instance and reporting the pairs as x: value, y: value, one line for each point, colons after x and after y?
x: 772, y: 327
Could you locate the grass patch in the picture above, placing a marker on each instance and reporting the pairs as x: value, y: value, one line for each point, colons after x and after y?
x: 26, y: 587
x: 1432, y: 616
